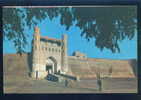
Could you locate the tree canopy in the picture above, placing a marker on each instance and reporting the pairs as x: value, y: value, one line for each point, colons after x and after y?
x: 108, y: 25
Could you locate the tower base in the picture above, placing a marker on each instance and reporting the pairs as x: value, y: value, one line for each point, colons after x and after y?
x: 39, y: 74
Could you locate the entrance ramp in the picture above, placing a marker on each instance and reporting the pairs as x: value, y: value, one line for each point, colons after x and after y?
x: 68, y: 76
x: 60, y: 77
x: 55, y: 78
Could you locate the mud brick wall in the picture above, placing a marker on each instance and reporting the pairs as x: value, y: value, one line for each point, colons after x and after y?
x: 14, y: 64
x: 87, y: 68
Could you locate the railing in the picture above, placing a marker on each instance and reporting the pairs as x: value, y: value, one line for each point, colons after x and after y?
x: 68, y: 76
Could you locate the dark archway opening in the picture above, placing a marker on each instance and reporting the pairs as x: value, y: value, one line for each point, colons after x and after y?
x: 54, y: 65
x: 49, y: 69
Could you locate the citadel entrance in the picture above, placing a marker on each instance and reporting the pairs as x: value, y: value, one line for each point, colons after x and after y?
x: 49, y: 69
x: 51, y: 65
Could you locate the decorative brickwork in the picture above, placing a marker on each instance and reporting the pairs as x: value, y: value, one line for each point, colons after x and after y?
x: 48, y: 55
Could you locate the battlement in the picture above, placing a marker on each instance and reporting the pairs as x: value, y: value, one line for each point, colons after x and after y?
x: 52, y: 39
x: 79, y: 54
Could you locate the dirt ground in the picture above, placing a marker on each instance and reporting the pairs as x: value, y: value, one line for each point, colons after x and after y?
x: 28, y: 85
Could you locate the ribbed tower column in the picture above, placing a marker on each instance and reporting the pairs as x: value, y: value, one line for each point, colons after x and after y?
x: 64, y: 54
x: 35, y: 53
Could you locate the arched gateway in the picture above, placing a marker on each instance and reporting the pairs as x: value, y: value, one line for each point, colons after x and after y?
x: 49, y: 55
x: 51, y: 65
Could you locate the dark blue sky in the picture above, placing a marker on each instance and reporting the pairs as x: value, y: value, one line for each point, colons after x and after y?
x: 76, y: 42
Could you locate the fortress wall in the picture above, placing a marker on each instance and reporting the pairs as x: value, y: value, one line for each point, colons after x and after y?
x: 80, y: 68
x: 87, y: 68
x: 120, y: 68
x: 15, y: 69
x: 14, y: 64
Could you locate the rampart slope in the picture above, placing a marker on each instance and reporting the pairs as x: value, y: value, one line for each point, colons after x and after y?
x: 87, y: 68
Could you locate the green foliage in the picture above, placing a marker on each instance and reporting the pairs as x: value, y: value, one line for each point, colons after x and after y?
x: 108, y: 25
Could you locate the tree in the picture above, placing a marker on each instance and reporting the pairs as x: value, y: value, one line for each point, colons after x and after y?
x: 108, y: 25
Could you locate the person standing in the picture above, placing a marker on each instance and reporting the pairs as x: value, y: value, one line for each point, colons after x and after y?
x: 99, y: 81
x: 99, y: 84
x: 66, y: 83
